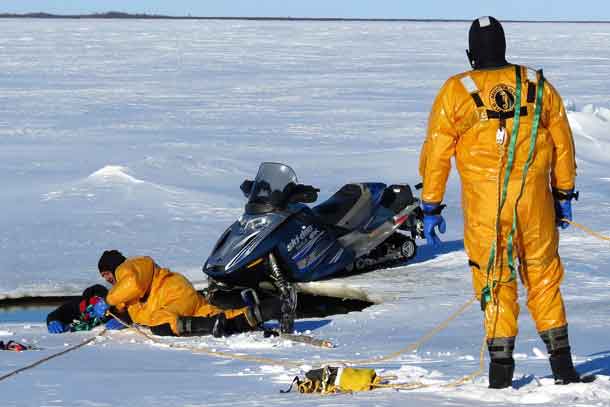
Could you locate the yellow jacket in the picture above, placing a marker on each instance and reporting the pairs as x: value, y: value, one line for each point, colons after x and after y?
x: 154, y: 295
x: 457, y: 128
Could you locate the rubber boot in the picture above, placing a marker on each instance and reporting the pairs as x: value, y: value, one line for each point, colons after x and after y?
x: 199, y: 326
x: 502, y: 365
x: 501, y: 373
x: 560, y: 356
x: 260, y: 311
x: 563, y: 367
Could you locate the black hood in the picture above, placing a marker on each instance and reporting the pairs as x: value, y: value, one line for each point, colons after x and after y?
x: 487, y: 44
x: 110, y: 260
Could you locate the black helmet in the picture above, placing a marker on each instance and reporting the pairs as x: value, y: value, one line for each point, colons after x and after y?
x: 487, y: 44
x: 110, y: 260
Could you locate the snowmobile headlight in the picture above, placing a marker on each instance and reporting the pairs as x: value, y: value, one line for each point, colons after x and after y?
x: 256, y: 224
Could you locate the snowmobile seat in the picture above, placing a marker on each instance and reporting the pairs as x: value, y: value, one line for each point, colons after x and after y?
x: 397, y: 197
x: 348, y: 208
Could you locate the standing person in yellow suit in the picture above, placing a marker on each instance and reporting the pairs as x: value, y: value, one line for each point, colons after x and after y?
x: 167, y: 302
x: 508, y: 131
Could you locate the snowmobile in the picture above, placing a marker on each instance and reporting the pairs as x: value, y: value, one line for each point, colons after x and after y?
x: 280, y: 240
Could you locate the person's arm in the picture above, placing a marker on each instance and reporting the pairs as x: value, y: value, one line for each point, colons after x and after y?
x: 439, y: 146
x: 65, y: 313
x: 563, y: 172
x: 133, y: 280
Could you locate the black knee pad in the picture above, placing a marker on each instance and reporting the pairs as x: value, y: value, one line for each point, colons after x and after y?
x: 556, y: 339
x: 501, y: 348
x: 162, y: 330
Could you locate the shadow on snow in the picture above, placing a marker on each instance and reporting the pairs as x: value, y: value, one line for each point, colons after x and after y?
x: 427, y: 252
x: 598, y: 365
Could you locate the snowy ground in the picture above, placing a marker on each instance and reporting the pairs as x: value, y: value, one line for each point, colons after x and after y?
x: 136, y: 135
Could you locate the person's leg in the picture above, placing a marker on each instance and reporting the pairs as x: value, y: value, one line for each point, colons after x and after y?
x: 547, y: 308
x: 501, y: 314
x: 200, y: 326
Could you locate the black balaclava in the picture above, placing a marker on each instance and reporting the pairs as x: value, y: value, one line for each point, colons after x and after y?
x: 487, y: 44
x: 110, y: 260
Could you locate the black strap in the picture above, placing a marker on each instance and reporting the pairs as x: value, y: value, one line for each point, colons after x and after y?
x: 492, y: 114
x: 473, y: 264
x: 477, y: 99
x: 560, y: 195
x: 531, y: 92
x: 295, y: 380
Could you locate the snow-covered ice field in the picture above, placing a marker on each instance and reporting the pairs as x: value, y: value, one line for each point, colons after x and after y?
x: 137, y: 134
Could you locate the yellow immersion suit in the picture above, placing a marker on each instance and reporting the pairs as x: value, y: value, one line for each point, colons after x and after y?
x: 155, y: 296
x: 463, y: 127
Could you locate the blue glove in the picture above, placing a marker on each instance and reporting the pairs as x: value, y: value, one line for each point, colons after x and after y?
x: 563, y: 206
x: 432, y: 219
x: 56, y: 327
x: 114, y: 325
x: 100, y: 308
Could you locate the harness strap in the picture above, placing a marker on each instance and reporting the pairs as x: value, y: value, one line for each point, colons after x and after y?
x: 531, y: 92
x: 473, y: 90
x: 484, y: 113
x: 487, y: 291
x: 530, y: 156
x: 493, y: 114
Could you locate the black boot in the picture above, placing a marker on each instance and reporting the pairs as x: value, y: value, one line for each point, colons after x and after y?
x: 501, y: 373
x: 502, y: 365
x: 563, y: 367
x: 199, y: 326
x: 560, y: 356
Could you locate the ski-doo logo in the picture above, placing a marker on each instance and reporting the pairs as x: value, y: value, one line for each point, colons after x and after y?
x: 302, y: 237
x: 502, y: 98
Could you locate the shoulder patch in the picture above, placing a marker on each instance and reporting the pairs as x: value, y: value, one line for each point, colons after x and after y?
x: 469, y: 84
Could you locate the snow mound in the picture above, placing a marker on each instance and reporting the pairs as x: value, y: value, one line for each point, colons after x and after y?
x: 114, y: 173
x: 591, y: 134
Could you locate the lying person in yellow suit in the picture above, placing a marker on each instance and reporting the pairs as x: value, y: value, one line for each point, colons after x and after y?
x: 167, y: 302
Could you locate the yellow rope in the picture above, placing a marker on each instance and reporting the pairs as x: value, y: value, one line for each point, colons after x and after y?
x: 410, y: 348
x: 587, y: 230
x: 404, y: 386
x: 53, y: 356
x: 481, y: 370
x: 208, y: 351
x: 440, y: 327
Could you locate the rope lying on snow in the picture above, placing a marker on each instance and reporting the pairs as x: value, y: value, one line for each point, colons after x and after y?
x: 440, y: 327
x: 208, y: 351
x: 226, y: 355
x: 412, y: 347
x: 291, y: 364
x: 53, y: 356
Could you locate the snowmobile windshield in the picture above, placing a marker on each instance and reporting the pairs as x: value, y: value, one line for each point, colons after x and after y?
x: 269, y: 190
